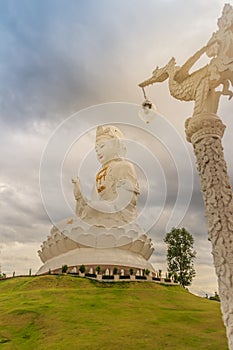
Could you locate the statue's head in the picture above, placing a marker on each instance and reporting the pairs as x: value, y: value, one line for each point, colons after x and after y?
x: 109, y: 143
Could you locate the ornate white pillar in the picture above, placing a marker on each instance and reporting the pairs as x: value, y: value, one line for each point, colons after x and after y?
x: 205, y: 132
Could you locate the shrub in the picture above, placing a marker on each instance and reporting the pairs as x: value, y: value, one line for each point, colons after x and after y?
x: 115, y: 270
x: 107, y: 277
x: 93, y: 275
x: 215, y: 297
x: 131, y: 271
x: 82, y: 269
x: 175, y: 276
x: 141, y: 277
x: 98, y: 269
x: 64, y: 268
x: 167, y: 280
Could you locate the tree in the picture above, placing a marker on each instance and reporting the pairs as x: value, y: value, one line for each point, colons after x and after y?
x: 180, y: 255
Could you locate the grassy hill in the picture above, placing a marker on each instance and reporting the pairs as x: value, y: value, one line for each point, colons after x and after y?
x: 64, y: 312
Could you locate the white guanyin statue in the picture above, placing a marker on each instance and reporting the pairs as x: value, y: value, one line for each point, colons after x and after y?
x: 115, y: 192
x: 104, y: 231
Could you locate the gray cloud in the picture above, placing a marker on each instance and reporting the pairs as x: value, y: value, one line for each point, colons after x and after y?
x: 59, y: 58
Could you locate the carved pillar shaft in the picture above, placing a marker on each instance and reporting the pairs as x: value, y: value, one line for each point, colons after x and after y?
x: 205, y: 132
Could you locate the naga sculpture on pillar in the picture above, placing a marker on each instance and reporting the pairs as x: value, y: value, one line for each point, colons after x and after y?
x: 205, y: 130
x: 104, y: 231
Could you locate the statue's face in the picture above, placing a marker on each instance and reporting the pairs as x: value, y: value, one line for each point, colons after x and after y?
x: 106, y: 150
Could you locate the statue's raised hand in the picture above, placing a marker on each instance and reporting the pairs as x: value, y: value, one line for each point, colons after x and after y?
x: 77, y: 188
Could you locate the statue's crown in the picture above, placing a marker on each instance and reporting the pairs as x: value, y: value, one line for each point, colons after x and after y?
x: 108, y: 132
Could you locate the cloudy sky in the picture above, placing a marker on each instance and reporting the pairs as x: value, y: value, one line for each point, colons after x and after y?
x: 59, y: 57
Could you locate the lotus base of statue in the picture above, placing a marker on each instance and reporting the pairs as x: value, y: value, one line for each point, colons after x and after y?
x: 73, y: 243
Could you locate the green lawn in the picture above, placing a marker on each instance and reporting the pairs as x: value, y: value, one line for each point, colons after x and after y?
x: 64, y: 312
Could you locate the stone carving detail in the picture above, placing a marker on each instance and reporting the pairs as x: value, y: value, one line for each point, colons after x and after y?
x: 206, y: 124
x: 217, y: 194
